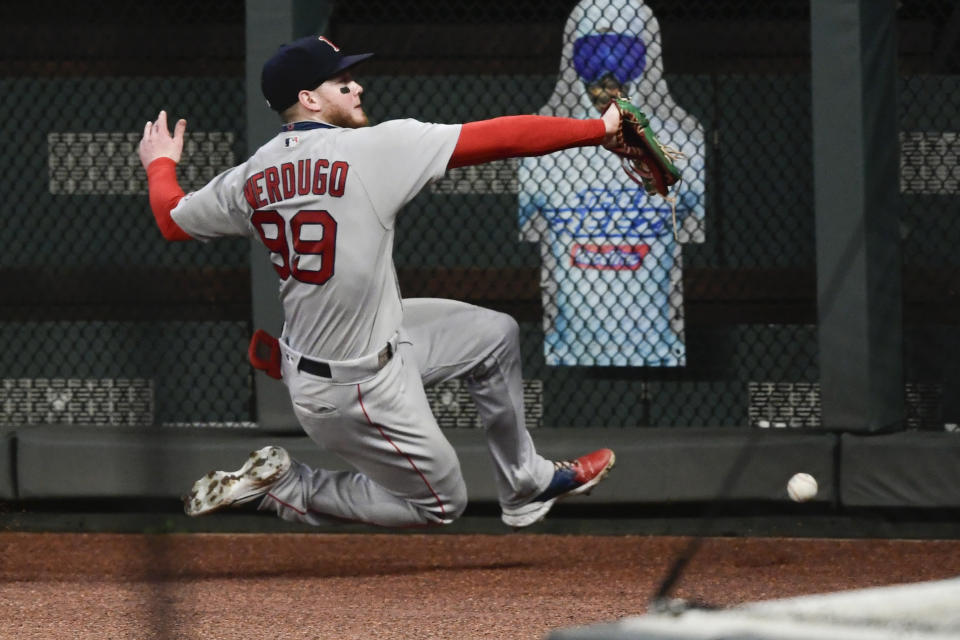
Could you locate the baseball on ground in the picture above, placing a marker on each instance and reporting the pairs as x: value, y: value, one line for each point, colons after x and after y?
x: 802, y: 487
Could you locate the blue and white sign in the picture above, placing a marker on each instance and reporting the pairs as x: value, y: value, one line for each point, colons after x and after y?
x: 611, y: 266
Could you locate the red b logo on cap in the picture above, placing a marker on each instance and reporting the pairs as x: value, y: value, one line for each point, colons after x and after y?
x: 322, y: 39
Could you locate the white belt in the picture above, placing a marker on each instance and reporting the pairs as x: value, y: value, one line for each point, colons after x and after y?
x: 341, y: 370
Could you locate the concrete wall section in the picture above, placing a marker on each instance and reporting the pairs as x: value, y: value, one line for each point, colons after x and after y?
x: 907, y: 469
x: 8, y: 484
x: 653, y: 465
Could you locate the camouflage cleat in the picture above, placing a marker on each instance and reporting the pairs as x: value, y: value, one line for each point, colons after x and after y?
x: 220, y: 489
x: 570, y: 478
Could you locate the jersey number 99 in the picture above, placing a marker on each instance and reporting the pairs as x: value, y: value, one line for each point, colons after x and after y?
x: 276, y: 243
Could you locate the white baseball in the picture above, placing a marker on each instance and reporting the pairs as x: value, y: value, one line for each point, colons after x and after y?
x: 802, y: 487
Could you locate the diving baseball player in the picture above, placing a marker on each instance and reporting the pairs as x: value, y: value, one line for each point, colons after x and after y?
x: 322, y: 197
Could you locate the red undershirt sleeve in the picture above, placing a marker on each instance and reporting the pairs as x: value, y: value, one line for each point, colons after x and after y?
x: 165, y: 193
x: 513, y: 136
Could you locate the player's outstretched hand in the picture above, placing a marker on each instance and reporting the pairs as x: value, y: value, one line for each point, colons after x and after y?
x: 158, y: 143
x: 611, y: 118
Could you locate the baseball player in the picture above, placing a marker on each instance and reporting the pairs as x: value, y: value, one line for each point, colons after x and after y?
x: 323, y: 196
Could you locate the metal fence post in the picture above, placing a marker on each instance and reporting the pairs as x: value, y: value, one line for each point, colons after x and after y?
x: 857, y: 208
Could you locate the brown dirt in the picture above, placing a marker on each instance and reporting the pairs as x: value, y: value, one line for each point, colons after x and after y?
x: 345, y: 586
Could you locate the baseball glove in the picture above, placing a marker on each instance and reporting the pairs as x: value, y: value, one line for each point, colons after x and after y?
x: 646, y: 161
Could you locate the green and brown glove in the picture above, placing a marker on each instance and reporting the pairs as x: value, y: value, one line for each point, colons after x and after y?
x: 647, y: 162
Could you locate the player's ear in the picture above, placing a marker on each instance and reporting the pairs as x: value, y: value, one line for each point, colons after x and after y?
x: 310, y: 100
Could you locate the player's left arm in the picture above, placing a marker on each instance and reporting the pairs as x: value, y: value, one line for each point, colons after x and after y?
x: 159, y: 154
x: 530, y: 135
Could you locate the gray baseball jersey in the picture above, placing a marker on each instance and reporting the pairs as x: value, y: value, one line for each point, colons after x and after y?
x: 324, y: 200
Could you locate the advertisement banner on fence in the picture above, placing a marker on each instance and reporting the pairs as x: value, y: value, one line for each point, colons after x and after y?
x: 611, y: 275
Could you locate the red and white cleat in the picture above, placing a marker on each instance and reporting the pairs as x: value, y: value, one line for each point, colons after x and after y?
x: 570, y: 478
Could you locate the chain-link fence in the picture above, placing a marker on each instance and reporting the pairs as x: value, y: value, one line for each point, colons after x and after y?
x: 929, y: 112
x: 630, y: 318
x: 634, y: 311
x: 103, y: 321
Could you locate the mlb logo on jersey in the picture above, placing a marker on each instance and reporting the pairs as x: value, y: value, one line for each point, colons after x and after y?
x: 292, y: 141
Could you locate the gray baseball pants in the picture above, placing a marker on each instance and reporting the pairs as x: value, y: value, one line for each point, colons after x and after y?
x: 407, y: 473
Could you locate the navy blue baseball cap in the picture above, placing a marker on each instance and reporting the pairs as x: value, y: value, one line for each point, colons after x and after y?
x: 303, y: 64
